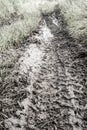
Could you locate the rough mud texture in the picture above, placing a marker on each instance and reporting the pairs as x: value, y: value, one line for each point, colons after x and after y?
x: 48, y: 81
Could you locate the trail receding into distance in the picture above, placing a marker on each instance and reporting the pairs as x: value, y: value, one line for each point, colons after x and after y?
x: 56, y: 98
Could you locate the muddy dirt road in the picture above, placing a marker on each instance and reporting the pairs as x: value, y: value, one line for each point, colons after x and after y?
x: 55, y: 69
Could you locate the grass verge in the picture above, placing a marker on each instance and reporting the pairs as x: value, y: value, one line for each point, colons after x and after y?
x: 75, y: 15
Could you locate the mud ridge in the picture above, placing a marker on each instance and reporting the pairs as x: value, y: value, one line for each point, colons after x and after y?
x: 50, y: 76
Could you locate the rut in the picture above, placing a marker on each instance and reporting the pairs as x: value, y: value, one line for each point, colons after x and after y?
x: 57, y: 91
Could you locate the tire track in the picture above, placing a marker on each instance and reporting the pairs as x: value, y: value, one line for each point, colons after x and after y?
x: 57, y: 95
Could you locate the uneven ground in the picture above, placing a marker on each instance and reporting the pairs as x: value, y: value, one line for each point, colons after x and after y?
x: 44, y: 82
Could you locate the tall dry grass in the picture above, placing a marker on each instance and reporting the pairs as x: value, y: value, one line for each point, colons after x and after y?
x: 75, y: 14
x: 20, y: 17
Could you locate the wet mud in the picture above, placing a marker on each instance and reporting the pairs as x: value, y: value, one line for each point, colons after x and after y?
x: 52, y: 74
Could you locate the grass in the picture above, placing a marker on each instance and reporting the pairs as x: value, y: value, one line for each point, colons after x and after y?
x: 75, y: 14
x: 19, y: 18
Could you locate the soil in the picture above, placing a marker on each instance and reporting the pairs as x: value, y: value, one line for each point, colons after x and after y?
x: 44, y: 82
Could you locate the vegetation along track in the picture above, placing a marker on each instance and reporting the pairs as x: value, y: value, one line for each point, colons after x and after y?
x: 52, y: 70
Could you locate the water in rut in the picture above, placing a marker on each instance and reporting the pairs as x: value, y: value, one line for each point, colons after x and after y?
x: 56, y: 98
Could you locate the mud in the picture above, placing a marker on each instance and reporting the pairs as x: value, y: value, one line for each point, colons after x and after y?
x: 52, y: 74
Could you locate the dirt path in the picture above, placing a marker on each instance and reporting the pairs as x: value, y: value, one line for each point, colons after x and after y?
x: 56, y: 94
